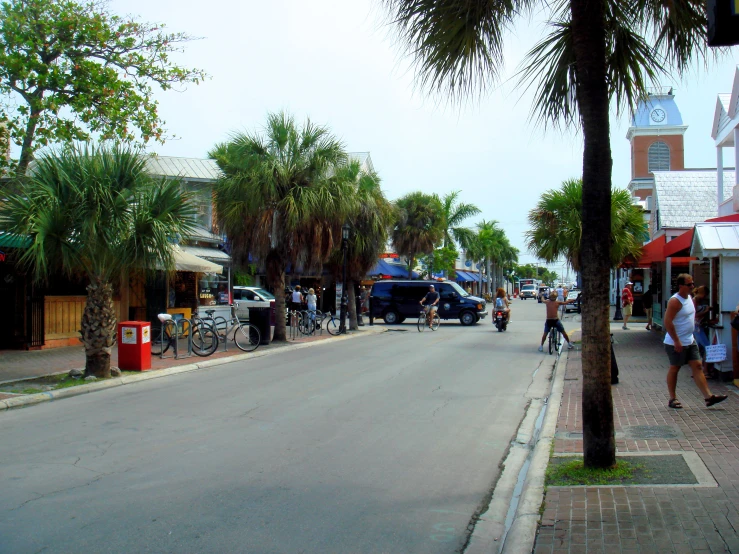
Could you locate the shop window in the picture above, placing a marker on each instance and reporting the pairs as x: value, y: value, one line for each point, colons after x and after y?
x: 659, y: 157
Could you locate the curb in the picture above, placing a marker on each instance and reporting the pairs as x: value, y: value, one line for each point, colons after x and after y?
x: 33, y: 399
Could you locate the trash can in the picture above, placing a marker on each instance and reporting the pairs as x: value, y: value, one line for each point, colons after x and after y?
x: 259, y: 316
x: 272, y: 319
x: 134, y: 345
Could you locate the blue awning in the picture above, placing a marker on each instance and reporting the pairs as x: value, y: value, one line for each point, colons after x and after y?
x: 393, y: 270
x: 462, y: 276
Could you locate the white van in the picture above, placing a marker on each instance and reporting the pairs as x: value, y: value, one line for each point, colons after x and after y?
x: 244, y: 296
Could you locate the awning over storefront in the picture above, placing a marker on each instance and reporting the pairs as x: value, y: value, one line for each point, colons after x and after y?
x: 464, y: 276
x: 715, y: 239
x: 184, y: 261
x: 8, y: 240
x: 392, y: 270
x: 679, y: 246
x: 653, y: 252
x: 212, y: 254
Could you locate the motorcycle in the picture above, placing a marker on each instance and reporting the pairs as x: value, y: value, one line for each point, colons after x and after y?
x: 500, y: 320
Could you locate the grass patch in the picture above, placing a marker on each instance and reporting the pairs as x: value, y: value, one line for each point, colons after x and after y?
x: 567, y: 471
x: 48, y: 383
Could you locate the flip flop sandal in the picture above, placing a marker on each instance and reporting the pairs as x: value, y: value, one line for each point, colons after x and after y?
x: 715, y: 399
x: 675, y: 404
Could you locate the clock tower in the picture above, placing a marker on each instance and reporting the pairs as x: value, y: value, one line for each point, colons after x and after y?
x: 656, y: 136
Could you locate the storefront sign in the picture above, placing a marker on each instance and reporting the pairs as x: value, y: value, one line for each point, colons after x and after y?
x: 128, y: 335
x: 339, y: 290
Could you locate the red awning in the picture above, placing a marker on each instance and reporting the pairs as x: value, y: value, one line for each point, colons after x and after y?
x: 652, y: 252
x: 679, y: 246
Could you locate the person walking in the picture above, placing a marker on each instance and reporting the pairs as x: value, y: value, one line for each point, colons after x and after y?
x: 648, y: 299
x: 312, y: 301
x: 702, y: 319
x: 627, y: 303
x: 680, y: 345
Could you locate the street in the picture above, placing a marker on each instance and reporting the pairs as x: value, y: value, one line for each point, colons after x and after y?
x: 384, y: 443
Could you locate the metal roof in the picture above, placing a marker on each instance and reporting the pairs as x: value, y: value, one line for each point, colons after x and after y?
x: 212, y: 254
x: 186, y: 168
x: 663, y: 101
x: 684, y: 198
x: 715, y: 239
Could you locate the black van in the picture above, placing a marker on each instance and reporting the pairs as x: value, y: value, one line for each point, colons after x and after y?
x: 396, y: 300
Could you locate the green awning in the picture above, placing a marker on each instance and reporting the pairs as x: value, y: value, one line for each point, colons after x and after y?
x: 8, y: 240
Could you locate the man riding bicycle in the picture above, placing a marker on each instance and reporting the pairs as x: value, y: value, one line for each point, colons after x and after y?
x: 430, y: 303
x: 552, y: 306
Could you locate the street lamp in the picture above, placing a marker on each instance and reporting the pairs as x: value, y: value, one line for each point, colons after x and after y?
x: 344, y: 298
x: 618, y: 316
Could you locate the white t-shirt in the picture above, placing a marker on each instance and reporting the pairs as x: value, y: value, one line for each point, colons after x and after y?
x: 684, y: 322
x: 560, y: 294
x: 311, y: 299
x: 297, y: 297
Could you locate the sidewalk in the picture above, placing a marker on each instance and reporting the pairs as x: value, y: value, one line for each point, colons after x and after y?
x: 648, y: 519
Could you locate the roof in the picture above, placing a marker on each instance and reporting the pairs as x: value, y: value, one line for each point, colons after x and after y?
x: 726, y: 115
x: 201, y: 234
x: 9, y: 240
x: 186, y: 168
x: 684, y: 198
x: 663, y: 101
x: 715, y: 239
x: 211, y: 254
x: 363, y: 158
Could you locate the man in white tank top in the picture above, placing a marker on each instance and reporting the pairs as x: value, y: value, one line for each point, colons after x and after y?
x: 679, y: 343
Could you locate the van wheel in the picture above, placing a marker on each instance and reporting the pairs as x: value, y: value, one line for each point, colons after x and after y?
x: 391, y: 317
x: 467, y: 318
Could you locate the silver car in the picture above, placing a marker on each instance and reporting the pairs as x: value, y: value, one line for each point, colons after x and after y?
x: 244, y: 296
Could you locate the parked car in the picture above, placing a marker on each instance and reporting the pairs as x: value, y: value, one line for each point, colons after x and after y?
x: 575, y: 306
x: 543, y: 293
x: 394, y: 301
x: 244, y: 296
x: 528, y: 291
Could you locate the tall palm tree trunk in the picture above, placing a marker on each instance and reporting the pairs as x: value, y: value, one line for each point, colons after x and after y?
x: 276, y: 280
x: 353, y: 324
x: 588, y: 32
x: 98, y: 328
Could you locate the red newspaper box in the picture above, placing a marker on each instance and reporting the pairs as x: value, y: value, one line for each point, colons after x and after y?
x: 134, y: 345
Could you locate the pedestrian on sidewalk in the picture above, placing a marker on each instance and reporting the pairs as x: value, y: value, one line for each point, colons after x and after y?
x: 702, y: 319
x: 648, y: 299
x: 680, y: 345
x: 627, y: 303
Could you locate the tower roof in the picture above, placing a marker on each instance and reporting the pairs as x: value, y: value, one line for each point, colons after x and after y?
x: 657, y: 114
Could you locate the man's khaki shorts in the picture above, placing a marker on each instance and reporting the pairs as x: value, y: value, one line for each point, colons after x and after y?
x: 627, y: 310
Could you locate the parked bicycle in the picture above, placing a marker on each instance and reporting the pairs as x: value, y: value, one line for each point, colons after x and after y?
x: 245, y: 335
x: 203, y: 335
x: 333, y: 324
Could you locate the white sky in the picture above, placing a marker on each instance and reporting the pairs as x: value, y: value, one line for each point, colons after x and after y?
x: 335, y: 62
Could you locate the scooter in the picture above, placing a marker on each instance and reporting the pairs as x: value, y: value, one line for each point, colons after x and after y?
x: 500, y: 320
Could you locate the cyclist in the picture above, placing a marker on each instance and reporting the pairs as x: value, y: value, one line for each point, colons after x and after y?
x: 430, y: 302
x: 552, y: 306
x: 501, y: 303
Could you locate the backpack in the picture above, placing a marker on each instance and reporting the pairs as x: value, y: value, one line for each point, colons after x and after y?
x: 499, y: 303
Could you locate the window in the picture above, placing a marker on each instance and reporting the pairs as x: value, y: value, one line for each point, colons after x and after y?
x: 446, y: 292
x: 659, y: 157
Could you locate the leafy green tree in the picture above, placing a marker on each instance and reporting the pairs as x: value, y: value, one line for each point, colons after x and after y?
x: 280, y: 200
x: 419, y: 227
x: 455, y: 213
x: 95, y: 212
x: 596, y: 51
x: 442, y: 259
x: 68, y: 69
x: 556, y: 226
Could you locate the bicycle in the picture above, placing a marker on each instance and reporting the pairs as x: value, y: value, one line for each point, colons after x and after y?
x: 333, y: 324
x: 423, y: 321
x: 245, y: 335
x: 310, y: 322
x: 554, y: 341
x: 204, y: 337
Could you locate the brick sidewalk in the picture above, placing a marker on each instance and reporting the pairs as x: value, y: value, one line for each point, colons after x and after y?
x: 642, y: 519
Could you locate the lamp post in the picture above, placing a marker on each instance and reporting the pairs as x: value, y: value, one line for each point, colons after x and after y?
x: 618, y: 316
x: 344, y: 298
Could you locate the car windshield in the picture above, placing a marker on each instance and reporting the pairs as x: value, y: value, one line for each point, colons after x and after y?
x: 264, y: 294
x: 573, y: 294
x: 528, y: 287
x: 459, y: 290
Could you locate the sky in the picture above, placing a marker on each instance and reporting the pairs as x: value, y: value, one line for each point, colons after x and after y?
x: 337, y: 63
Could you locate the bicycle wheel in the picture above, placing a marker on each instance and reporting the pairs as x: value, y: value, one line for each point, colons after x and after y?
x: 332, y: 325
x: 421, y: 322
x: 551, y: 341
x: 247, y: 337
x: 160, y: 344
x: 204, y: 340
x: 435, y: 322
x: 306, y: 325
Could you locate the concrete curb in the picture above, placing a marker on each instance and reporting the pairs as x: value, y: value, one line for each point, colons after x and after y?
x: 33, y: 399
x: 527, y: 458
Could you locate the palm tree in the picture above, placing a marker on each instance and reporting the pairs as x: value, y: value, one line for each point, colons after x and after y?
x: 371, y: 217
x: 596, y: 50
x: 419, y: 226
x: 279, y: 200
x: 485, y: 246
x: 454, y: 214
x: 95, y: 212
x: 556, y: 226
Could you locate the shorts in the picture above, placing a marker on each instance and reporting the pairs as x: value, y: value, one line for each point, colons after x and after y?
x: 432, y: 308
x: 549, y: 323
x: 648, y: 311
x: 688, y: 354
x: 297, y: 306
x: 627, y: 309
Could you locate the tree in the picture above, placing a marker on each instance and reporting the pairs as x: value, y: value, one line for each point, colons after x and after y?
x: 280, y: 200
x: 371, y: 216
x: 454, y: 215
x: 95, y: 212
x: 596, y: 50
x: 442, y: 259
x: 419, y: 227
x: 556, y: 226
x: 69, y: 69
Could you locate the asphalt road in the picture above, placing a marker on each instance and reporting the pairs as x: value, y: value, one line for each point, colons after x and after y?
x: 384, y: 443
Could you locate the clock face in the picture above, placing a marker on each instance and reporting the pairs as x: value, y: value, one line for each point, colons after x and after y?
x: 658, y: 115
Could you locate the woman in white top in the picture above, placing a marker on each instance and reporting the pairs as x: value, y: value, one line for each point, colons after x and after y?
x: 680, y: 346
x: 312, y: 300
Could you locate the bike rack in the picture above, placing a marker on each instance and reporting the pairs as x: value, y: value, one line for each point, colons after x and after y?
x: 184, y: 321
x: 166, y: 320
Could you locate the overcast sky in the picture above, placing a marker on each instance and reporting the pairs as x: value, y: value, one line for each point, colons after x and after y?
x: 335, y: 61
